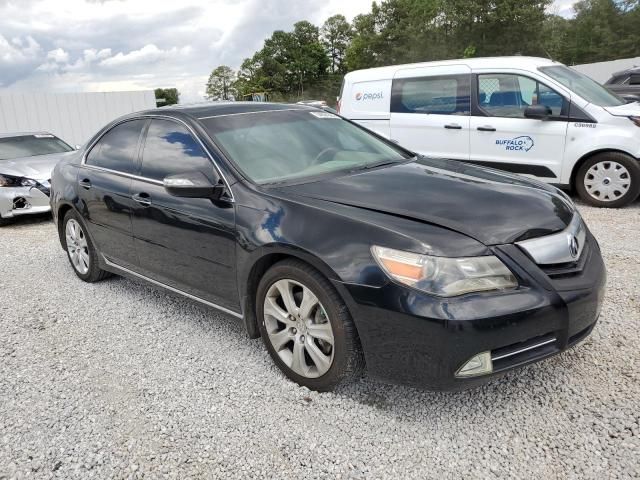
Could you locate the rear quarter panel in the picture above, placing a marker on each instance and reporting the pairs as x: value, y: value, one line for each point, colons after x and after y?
x: 368, y: 103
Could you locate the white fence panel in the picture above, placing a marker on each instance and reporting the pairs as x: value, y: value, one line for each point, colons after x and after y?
x: 74, y: 117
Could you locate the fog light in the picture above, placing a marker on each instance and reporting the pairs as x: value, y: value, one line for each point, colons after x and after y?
x: 478, y: 365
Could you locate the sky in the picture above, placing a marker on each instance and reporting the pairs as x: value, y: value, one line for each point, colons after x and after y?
x: 120, y: 45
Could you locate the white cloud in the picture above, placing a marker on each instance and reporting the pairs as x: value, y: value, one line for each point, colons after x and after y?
x: 71, y: 45
x: 58, y: 55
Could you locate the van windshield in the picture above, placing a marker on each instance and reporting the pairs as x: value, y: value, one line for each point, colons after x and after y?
x: 284, y: 145
x: 582, y: 85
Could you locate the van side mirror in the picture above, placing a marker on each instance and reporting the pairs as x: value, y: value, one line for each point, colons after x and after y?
x: 192, y: 185
x: 537, y: 112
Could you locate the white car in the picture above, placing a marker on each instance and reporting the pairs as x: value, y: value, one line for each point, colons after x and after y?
x: 26, y: 163
x: 526, y: 115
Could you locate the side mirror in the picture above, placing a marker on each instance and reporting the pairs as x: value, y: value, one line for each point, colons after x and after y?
x: 192, y: 185
x: 537, y: 112
x: 630, y: 97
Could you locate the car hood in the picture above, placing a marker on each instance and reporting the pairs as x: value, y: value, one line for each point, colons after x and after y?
x: 37, y: 168
x: 485, y: 204
x: 626, y: 110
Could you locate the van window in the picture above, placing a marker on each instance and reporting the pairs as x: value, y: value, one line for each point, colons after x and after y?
x: 588, y: 89
x: 441, y: 95
x: 506, y: 95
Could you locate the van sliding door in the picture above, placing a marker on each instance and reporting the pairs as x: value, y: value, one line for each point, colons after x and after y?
x: 430, y: 110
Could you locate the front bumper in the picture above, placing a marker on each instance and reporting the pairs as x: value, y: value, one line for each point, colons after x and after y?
x: 17, y: 201
x: 412, y: 338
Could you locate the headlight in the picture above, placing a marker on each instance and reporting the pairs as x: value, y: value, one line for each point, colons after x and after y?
x: 11, y: 181
x: 445, y: 277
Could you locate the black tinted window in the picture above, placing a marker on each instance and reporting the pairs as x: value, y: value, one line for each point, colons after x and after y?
x: 117, y: 149
x: 443, y: 95
x: 171, y: 149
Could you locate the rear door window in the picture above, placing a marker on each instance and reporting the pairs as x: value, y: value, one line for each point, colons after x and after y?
x: 170, y: 149
x: 441, y: 95
x: 117, y: 149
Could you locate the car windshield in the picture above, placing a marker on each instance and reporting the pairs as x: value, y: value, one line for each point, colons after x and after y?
x: 285, y: 145
x: 587, y: 88
x: 31, y: 146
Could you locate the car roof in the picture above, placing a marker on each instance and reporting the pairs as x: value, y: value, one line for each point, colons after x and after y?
x: 386, y: 73
x: 633, y: 69
x: 22, y: 134
x: 216, y: 109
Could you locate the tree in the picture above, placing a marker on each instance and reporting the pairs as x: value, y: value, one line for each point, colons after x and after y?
x: 220, y: 85
x: 166, y: 96
x: 336, y: 36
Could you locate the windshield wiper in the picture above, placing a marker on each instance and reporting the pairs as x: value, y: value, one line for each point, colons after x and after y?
x: 383, y: 163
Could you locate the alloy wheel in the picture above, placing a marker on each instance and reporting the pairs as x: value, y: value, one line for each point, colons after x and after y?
x: 77, y: 246
x: 607, y: 181
x: 298, y: 328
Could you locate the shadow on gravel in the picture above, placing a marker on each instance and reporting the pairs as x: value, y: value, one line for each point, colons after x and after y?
x: 540, y: 381
x: 26, y: 221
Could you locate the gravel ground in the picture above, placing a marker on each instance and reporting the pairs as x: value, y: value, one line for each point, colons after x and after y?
x: 119, y: 380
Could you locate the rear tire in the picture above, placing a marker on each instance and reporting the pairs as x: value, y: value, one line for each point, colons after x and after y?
x: 5, y: 221
x: 81, y: 252
x: 310, y: 336
x: 609, y: 180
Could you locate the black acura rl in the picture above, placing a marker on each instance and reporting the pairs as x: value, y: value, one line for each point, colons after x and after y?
x: 342, y: 250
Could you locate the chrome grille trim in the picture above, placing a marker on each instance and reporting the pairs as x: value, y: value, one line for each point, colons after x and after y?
x: 523, y: 349
x: 555, y: 248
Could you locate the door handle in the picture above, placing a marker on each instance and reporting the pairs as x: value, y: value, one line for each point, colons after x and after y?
x: 453, y: 126
x: 85, y: 183
x: 487, y: 128
x: 142, y: 198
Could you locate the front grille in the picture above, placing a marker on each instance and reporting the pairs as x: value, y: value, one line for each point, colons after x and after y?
x: 570, y: 269
x: 523, y: 352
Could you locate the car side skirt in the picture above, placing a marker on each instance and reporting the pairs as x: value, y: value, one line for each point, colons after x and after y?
x: 131, y: 274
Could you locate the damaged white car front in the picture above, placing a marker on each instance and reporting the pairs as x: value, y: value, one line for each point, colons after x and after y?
x: 26, y: 163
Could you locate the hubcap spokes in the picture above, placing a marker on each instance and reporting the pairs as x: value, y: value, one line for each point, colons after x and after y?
x: 607, y: 181
x: 77, y: 246
x: 298, y: 328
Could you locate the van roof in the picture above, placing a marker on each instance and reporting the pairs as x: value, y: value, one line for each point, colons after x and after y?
x: 384, y: 73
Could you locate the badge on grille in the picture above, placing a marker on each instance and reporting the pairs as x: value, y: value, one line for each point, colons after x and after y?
x: 574, y: 247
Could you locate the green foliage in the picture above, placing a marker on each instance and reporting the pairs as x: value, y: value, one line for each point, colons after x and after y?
x: 336, y: 36
x: 220, y: 85
x: 309, y: 62
x: 168, y: 96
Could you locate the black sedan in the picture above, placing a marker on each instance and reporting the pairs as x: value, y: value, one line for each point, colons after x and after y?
x: 340, y: 249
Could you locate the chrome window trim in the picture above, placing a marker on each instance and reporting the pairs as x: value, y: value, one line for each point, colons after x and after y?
x: 124, y: 174
x: 302, y: 108
x: 83, y: 162
x: 173, y: 289
x: 555, y: 248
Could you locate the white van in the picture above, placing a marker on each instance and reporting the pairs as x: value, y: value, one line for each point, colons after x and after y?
x: 526, y: 115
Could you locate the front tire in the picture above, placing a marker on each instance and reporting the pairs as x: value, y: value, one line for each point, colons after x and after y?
x: 609, y: 180
x: 307, y: 328
x: 80, y: 250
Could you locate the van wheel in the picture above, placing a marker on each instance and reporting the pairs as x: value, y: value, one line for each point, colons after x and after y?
x: 609, y: 179
x: 306, y: 327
